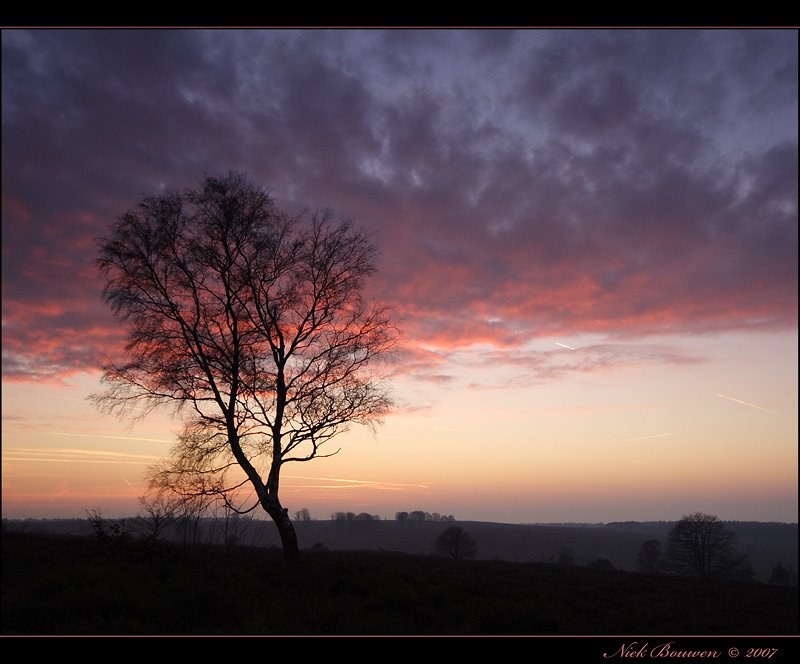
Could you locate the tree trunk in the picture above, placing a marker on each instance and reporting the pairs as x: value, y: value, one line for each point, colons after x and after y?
x: 280, y: 516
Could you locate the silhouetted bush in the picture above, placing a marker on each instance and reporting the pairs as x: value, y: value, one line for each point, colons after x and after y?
x: 782, y: 576
x: 564, y: 557
x: 111, y: 535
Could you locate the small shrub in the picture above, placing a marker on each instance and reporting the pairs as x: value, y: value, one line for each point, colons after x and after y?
x: 601, y: 563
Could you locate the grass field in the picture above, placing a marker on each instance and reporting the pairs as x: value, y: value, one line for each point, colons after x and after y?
x: 69, y: 585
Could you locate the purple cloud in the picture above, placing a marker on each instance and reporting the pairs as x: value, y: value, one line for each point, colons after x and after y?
x: 517, y: 183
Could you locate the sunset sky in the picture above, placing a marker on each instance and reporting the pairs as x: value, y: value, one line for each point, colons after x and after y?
x: 588, y: 240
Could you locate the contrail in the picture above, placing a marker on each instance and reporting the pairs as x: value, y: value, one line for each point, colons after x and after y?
x: 75, y: 460
x: 368, y: 483
x: 332, y: 486
x: 657, y: 435
x: 62, y: 450
x: 377, y: 486
x: 69, y: 456
x: 423, y: 486
x: 746, y: 403
x: 586, y: 352
x: 91, y: 435
x: 329, y: 479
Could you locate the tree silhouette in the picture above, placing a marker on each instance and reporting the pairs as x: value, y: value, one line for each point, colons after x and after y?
x: 649, y: 558
x: 782, y: 576
x: 564, y: 557
x: 302, y: 515
x: 158, y: 512
x: 455, y: 542
x: 700, y: 544
x: 252, y: 325
x: 195, y: 493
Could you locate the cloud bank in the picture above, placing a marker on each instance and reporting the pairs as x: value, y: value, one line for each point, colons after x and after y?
x: 519, y: 184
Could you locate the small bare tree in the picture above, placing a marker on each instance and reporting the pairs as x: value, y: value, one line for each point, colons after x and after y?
x: 649, y: 558
x: 159, y: 510
x: 455, y: 542
x: 251, y: 324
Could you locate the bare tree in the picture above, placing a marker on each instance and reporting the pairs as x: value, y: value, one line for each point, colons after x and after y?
x: 159, y: 510
x: 249, y: 323
x: 700, y: 544
x: 194, y: 493
x: 649, y: 558
x: 455, y: 542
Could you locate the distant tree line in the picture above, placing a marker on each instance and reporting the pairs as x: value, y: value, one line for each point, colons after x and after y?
x: 352, y: 516
x: 698, y: 545
x: 419, y: 515
x: 302, y: 516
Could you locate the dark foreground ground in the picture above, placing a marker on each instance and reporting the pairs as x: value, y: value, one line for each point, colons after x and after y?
x: 67, y: 585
